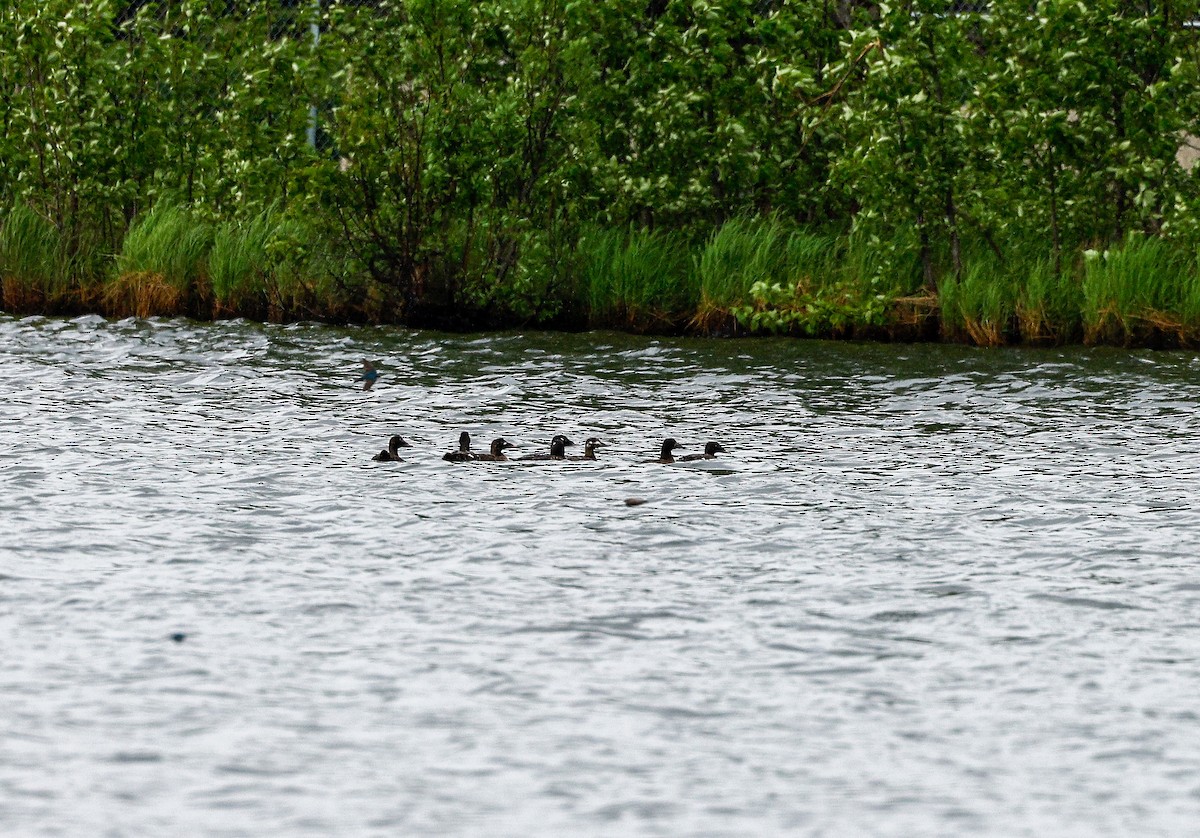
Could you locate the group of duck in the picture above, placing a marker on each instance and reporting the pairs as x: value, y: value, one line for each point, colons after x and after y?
x: 558, y: 445
x: 558, y: 451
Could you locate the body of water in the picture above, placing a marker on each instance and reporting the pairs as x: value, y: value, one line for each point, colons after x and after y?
x: 929, y: 590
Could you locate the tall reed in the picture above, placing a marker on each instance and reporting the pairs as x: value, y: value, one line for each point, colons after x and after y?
x: 1048, y: 302
x: 1145, y: 285
x: 41, y: 269
x: 749, y: 252
x: 31, y: 258
x: 255, y: 267
x: 163, y: 265
x: 637, y: 278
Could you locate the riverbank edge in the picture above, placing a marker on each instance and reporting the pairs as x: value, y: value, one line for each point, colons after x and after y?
x: 908, y: 320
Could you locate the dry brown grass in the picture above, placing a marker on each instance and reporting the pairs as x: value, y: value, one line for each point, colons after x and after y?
x: 985, y: 332
x: 21, y: 296
x: 915, y: 317
x: 144, y: 294
x: 711, y: 319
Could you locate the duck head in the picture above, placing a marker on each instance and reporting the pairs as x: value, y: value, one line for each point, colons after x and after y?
x: 558, y: 446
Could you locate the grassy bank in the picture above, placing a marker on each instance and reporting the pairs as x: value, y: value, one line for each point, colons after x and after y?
x: 749, y: 276
x: 174, y: 262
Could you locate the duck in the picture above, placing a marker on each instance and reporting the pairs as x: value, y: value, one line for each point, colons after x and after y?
x: 664, y: 455
x: 392, y: 454
x: 558, y: 450
x: 369, y: 375
x: 496, y: 454
x: 463, y: 454
x: 710, y: 452
x: 589, y: 449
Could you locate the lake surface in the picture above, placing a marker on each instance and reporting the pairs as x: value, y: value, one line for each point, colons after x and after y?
x: 929, y: 590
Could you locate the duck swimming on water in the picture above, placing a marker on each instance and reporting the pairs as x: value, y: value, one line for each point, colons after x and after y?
x: 664, y: 455
x: 496, y: 455
x: 369, y: 375
x: 463, y: 454
x: 558, y: 450
x: 710, y: 452
x: 392, y: 454
x: 589, y: 449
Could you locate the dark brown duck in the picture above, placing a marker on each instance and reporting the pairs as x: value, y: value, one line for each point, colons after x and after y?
x: 589, y: 449
x: 664, y: 454
x: 711, y: 450
x: 392, y: 454
x: 558, y: 450
x: 463, y: 454
x: 496, y: 454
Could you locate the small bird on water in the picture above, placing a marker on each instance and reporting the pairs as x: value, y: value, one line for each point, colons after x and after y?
x: 496, y: 454
x: 710, y: 452
x: 558, y: 450
x: 392, y: 454
x: 369, y: 375
x: 664, y: 455
x: 463, y: 454
x: 589, y: 449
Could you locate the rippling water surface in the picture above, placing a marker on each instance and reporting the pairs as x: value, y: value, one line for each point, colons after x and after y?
x: 929, y: 590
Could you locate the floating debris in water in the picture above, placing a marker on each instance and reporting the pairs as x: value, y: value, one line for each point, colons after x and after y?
x: 634, y: 501
x: 179, y: 637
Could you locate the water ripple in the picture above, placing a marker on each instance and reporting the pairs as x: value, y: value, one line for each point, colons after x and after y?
x: 937, y: 590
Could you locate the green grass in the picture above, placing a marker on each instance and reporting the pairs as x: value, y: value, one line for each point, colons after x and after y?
x: 162, y: 266
x: 764, y: 273
x: 1146, y: 284
x: 637, y: 278
x: 255, y: 266
x: 1189, y: 306
x: 30, y: 250
x: 746, y: 254
x: 170, y: 243
x: 239, y: 263
x: 43, y: 269
x: 982, y: 304
x: 1048, y: 303
x: 32, y: 263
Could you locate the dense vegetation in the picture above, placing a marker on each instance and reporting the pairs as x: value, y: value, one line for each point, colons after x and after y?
x: 822, y: 167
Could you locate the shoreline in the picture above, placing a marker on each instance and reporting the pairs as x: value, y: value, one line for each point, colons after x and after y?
x: 917, y: 322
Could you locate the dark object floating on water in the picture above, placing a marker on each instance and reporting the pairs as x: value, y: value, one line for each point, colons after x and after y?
x: 589, y: 449
x: 558, y: 450
x: 179, y: 637
x: 710, y: 452
x: 664, y: 456
x: 496, y: 455
x: 634, y: 501
x: 369, y: 375
x: 464, y: 450
x: 392, y: 454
